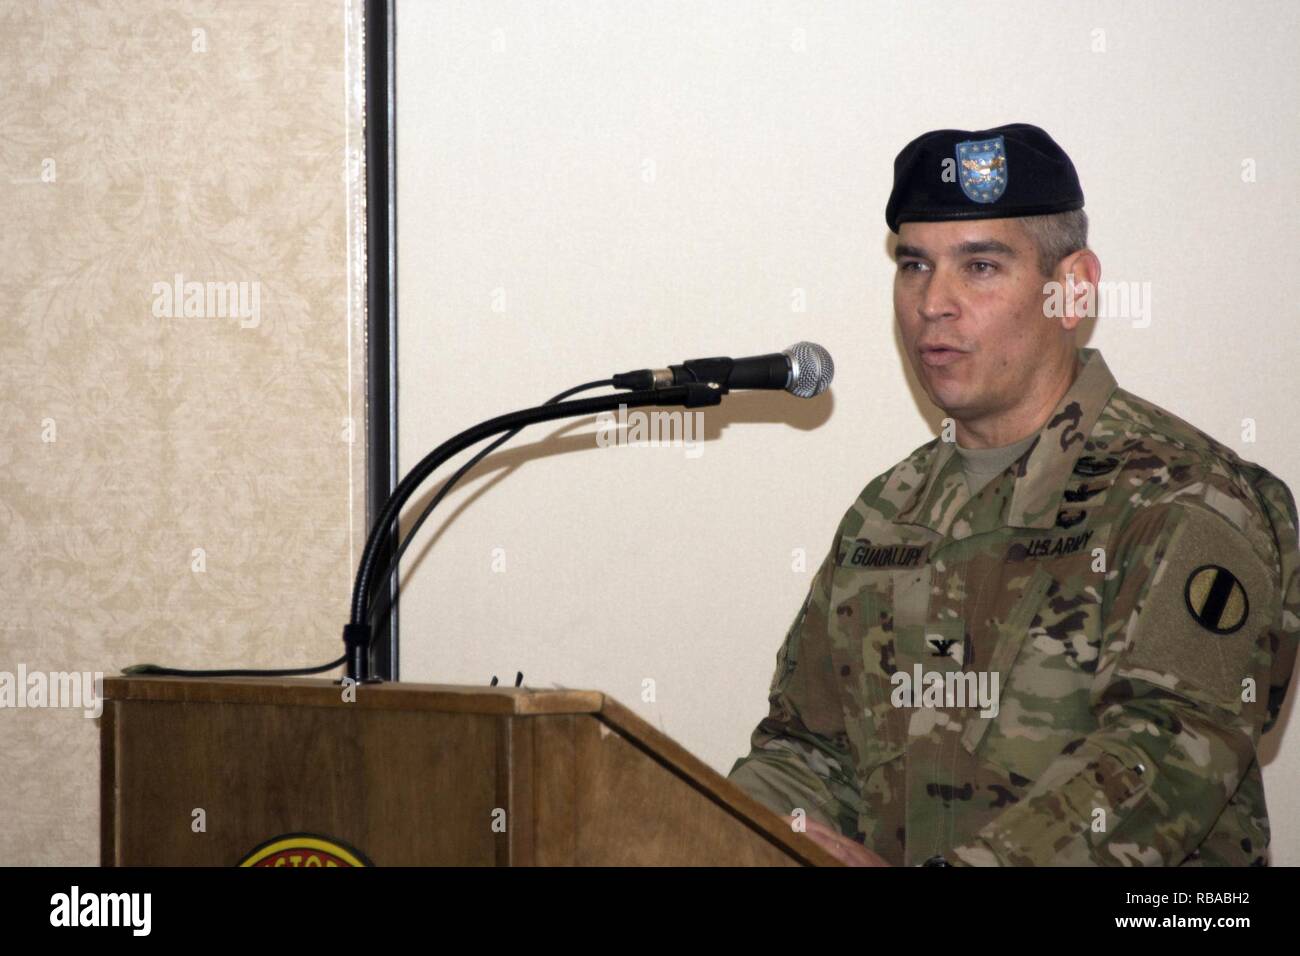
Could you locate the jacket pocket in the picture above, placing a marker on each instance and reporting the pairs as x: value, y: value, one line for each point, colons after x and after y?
x: 863, y: 654
x: 1013, y: 738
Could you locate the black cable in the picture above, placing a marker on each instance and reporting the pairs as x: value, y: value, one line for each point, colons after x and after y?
x: 393, y: 596
x: 157, y: 670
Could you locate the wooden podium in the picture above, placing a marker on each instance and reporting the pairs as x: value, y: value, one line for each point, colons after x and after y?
x: 204, y: 772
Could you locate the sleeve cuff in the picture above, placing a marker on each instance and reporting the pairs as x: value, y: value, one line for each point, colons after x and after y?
x: 975, y: 853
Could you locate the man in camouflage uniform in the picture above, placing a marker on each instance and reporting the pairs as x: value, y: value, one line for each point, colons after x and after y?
x: 1126, y: 588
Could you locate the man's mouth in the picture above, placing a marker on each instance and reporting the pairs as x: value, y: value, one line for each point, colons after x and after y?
x: 936, y: 355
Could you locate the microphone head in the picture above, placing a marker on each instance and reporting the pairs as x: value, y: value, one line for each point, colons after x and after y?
x: 811, y: 369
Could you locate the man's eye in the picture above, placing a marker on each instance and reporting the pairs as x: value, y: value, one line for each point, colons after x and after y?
x: 980, y: 267
x: 911, y: 266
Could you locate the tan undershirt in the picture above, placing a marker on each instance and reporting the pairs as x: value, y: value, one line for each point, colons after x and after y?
x: 982, y: 465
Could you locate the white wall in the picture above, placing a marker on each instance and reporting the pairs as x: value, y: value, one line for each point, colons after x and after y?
x: 640, y: 183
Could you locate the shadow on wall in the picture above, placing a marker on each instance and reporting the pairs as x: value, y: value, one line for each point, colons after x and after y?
x: 575, y: 437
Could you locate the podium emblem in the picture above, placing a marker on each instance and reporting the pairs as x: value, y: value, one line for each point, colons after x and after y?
x: 304, y: 849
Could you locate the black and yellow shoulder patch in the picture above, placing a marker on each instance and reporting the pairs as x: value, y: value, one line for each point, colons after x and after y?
x: 1216, y: 599
x: 1206, y: 603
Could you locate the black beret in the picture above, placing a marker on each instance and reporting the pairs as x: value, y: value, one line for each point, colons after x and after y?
x: 1015, y: 170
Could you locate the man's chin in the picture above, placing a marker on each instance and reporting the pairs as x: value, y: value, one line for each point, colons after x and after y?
x: 952, y: 401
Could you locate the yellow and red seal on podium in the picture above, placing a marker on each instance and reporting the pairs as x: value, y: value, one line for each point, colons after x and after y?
x: 304, y: 849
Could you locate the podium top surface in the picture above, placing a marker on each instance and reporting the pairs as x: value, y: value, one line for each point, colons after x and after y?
x: 318, y: 692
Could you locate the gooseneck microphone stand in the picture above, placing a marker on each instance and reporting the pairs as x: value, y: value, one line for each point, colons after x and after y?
x: 357, y: 632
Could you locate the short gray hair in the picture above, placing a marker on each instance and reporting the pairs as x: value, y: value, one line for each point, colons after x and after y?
x: 1056, y: 236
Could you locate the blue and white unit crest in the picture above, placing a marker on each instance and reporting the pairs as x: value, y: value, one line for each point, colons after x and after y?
x: 982, y: 169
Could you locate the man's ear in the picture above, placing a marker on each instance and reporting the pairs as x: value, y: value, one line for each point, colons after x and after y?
x: 1084, y: 265
x: 1078, y: 275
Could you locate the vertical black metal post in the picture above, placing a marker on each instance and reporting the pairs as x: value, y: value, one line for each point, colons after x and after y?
x: 381, y: 290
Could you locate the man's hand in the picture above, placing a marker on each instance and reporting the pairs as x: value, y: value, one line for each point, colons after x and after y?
x: 849, y: 852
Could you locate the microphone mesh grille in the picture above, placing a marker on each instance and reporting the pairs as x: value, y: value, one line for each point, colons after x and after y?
x: 812, y: 369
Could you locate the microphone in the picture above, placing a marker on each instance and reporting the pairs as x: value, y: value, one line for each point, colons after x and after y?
x: 804, y: 369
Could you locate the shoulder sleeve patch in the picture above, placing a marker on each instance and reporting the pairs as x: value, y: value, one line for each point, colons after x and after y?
x: 1206, y: 612
x: 1216, y: 599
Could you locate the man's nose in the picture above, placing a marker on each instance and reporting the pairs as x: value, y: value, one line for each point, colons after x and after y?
x: 938, y: 300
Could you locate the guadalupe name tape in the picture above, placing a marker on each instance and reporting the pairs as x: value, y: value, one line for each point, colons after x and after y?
x: 864, y: 554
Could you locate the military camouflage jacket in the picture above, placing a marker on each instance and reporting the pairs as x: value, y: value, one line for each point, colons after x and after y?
x: 1127, y: 596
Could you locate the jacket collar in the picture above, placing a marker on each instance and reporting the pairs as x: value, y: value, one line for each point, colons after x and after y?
x: 1040, y: 475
